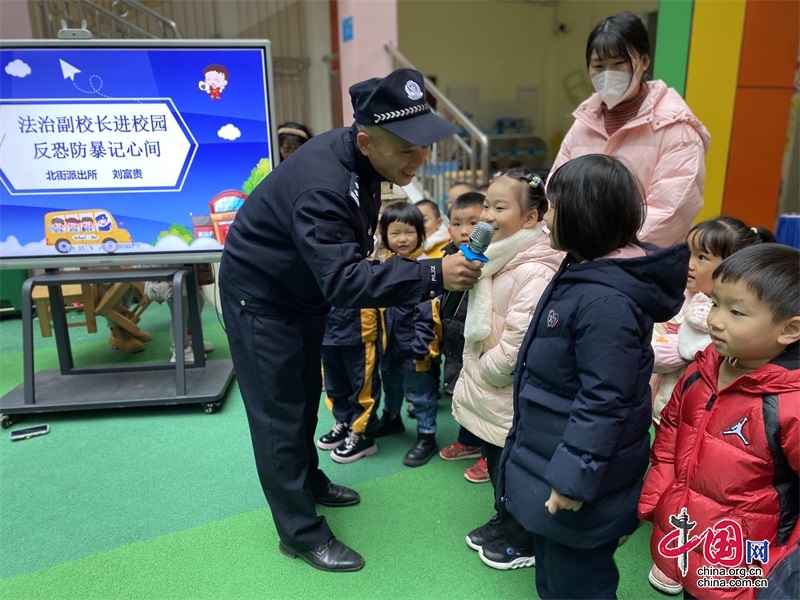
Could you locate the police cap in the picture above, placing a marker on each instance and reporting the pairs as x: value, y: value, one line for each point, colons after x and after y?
x: 397, y: 103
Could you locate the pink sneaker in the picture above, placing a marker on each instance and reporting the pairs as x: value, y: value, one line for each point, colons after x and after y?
x: 662, y: 583
x: 477, y: 473
x: 459, y: 451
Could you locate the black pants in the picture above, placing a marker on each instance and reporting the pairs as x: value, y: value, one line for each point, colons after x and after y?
x: 514, y: 532
x: 466, y: 437
x: 277, y: 365
x: 353, y: 385
x: 571, y: 573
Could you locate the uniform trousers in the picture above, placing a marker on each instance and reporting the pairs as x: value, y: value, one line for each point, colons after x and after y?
x: 353, y: 385
x: 277, y: 363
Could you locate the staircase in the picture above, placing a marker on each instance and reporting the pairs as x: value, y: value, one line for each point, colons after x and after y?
x: 106, y: 19
x: 460, y: 158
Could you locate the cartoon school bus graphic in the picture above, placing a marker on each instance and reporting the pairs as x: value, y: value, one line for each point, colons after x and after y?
x: 92, y: 226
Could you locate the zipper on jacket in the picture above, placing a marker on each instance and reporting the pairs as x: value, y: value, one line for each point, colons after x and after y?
x: 692, y: 466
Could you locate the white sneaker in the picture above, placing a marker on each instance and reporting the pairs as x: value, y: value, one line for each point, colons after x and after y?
x: 207, y: 346
x: 188, y: 355
x: 659, y: 580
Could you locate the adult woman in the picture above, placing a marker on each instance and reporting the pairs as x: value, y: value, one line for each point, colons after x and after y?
x: 645, y: 124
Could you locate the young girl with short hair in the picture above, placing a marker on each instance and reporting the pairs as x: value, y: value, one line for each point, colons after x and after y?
x: 575, y: 457
x: 411, y: 336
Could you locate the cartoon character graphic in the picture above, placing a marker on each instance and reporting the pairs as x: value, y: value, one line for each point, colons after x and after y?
x: 87, y: 224
x: 215, y: 80
x: 57, y: 225
x: 73, y: 224
x: 81, y: 232
x: 103, y: 222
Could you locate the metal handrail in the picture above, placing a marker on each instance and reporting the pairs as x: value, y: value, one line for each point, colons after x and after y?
x: 106, y: 21
x: 459, y: 158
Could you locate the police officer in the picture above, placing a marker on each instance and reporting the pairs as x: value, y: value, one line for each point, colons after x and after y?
x: 297, y: 247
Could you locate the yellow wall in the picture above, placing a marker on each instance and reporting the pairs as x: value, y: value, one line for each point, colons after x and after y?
x: 711, y: 81
x: 500, y: 46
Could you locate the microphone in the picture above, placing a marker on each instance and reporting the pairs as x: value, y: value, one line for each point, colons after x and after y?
x: 479, y: 240
x: 474, y: 249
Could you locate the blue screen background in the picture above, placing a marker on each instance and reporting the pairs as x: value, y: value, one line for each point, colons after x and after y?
x: 131, y: 73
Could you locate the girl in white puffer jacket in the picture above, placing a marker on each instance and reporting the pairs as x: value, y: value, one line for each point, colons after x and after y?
x: 500, y: 308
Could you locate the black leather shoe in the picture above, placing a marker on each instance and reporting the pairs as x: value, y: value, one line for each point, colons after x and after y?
x: 338, y: 495
x: 333, y: 555
x: 422, y: 451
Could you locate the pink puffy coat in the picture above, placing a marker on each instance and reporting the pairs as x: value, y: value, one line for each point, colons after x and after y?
x: 664, y: 146
x: 483, y: 395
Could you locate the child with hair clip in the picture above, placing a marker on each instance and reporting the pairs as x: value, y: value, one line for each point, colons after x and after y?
x: 500, y: 307
x: 675, y: 343
x: 575, y: 457
x: 411, y: 336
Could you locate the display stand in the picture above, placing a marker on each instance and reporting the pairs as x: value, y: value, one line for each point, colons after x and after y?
x: 80, y: 388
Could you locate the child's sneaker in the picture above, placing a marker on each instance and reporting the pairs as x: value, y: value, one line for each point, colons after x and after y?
x: 459, y: 451
x: 477, y: 473
x: 207, y: 346
x: 389, y: 426
x: 485, y: 534
x: 662, y: 583
x: 502, y: 555
x: 357, y: 445
x: 335, y: 437
x: 188, y: 355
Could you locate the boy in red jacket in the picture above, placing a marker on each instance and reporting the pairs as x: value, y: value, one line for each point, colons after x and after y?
x: 722, y: 491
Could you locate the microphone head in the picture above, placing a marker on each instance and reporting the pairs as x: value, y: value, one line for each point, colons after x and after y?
x: 480, y: 237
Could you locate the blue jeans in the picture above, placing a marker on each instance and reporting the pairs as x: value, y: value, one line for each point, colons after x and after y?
x: 420, y: 389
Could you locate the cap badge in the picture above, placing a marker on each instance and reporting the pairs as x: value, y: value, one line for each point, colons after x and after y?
x: 413, y: 90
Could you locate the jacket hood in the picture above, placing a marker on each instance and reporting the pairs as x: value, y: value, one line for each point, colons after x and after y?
x: 436, y: 238
x: 661, y: 107
x: 656, y: 282
x: 778, y: 376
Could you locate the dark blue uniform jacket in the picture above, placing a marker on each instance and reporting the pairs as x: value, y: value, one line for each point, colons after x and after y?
x: 582, y: 399
x: 412, y: 335
x: 298, y: 243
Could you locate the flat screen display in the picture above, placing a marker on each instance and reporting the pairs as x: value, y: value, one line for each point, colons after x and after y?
x: 129, y: 152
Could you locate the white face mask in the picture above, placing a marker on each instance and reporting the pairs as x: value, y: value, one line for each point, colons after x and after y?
x: 615, y: 86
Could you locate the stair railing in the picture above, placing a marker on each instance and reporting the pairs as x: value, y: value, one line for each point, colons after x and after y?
x: 106, y: 18
x: 460, y: 158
